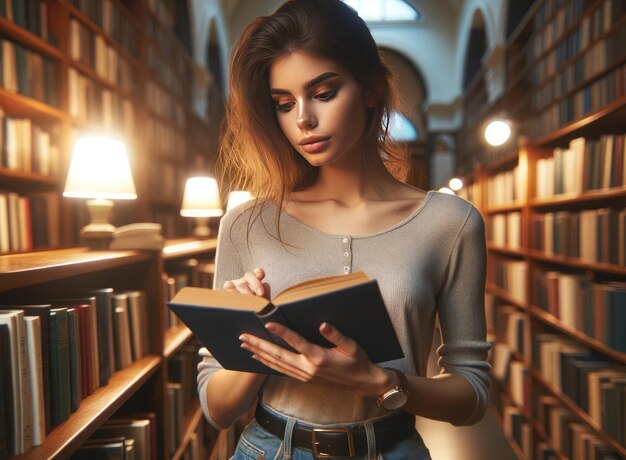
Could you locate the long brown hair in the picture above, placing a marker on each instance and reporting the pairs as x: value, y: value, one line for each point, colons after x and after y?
x: 255, y: 155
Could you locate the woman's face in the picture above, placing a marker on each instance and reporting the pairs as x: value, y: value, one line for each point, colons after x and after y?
x: 320, y: 108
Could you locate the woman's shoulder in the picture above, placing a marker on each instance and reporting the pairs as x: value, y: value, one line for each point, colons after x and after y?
x: 454, y: 209
x: 240, y: 217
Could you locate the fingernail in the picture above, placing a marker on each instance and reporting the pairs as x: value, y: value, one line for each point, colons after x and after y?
x: 271, y: 327
x: 242, y: 337
x: 325, y: 327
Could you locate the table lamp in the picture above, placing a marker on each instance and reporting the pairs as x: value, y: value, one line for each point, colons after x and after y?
x: 237, y: 197
x: 201, y: 201
x: 99, y: 171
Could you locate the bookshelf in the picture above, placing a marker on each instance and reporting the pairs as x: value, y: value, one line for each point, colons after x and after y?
x: 141, y: 387
x: 554, y: 207
x: 108, y: 66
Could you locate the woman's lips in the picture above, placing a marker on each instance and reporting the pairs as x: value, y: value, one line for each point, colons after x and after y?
x: 317, y: 146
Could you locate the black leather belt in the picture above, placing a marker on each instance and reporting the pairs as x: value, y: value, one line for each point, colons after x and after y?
x: 345, y: 441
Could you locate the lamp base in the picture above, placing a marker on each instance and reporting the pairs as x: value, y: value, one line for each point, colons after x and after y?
x: 98, y: 234
x: 202, y: 229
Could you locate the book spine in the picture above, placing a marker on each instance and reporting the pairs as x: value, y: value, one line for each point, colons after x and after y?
x: 35, y: 371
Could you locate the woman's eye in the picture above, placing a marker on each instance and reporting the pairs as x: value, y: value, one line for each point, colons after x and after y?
x: 284, y: 107
x: 326, y: 95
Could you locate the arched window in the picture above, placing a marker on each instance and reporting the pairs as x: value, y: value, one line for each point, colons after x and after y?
x: 384, y: 10
x: 402, y: 129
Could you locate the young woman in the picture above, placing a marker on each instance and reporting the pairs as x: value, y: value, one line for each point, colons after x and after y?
x: 307, y: 135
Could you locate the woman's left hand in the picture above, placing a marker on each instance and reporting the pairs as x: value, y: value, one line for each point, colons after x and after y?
x: 345, y: 364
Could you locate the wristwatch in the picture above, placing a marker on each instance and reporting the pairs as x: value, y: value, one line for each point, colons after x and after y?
x: 397, y: 396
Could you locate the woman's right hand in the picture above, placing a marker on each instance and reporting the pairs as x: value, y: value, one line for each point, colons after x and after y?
x: 250, y: 283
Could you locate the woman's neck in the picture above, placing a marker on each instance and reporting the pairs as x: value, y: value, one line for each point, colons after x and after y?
x: 351, y: 185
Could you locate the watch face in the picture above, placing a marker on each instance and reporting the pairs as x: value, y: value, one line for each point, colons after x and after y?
x: 395, y: 399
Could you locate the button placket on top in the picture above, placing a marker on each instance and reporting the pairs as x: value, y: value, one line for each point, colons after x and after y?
x: 346, y: 254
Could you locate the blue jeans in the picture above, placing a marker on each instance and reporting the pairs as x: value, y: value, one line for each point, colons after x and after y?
x: 257, y: 444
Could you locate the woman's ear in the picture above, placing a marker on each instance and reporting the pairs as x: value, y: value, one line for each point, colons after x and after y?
x: 371, y: 96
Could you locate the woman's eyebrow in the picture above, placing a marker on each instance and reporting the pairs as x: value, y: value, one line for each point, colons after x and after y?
x: 309, y: 84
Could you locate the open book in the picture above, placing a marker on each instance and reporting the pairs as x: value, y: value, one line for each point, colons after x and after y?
x: 351, y: 303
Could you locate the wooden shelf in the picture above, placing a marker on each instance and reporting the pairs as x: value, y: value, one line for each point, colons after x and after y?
x: 188, y: 247
x: 570, y: 262
x: 500, y: 208
x: 26, y: 38
x: 595, y: 344
x: 19, y: 106
x: 94, y: 410
x: 192, y: 419
x: 175, y: 338
x: 588, y: 197
x: 93, y: 75
x: 507, y: 251
x: 34, y: 181
x: 609, y: 119
x: 19, y: 270
x: 581, y: 414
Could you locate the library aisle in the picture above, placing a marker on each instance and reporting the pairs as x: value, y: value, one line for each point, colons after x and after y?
x: 482, y: 441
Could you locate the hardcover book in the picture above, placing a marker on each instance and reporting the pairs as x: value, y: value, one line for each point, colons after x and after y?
x: 351, y: 303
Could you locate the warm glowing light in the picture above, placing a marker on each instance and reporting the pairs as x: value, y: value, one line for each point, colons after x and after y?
x: 100, y: 170
x: 455, y: 184
x: 201, y: 198
x: 237, y: 197
x: 497, y: 132
x: 446, y: 190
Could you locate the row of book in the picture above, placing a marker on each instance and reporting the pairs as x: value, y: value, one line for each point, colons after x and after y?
x: 112, y: 20
x: 181, y: 390
x: 161, y: 103
x: 552, y: 16
x: 593, y: 25
x: 595, y: 385
x: 28, y: 73
x: 597, y: 309
x: 76, y: 345
x: 510, y: 276
x: 163, y: 10
x: 587, y: 164
x: 29, y: 221
x: 92, y: 103
x: 594, y: 235
x: 32, y: 15
x: 27, y: 147
x: 132, y: 437
x: 165, y: 183
x: 555, y: 80
x: 504, y: 229
x: 92, y: 50
x: 188, y: 272
x: 560, y: 431
x: 567, y: 435
x: 592, y: 98
x: 506, y: 188
x: 165, y: 141
x: 161, y: 69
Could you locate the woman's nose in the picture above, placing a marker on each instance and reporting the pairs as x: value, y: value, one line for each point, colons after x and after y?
x: 306, y: 120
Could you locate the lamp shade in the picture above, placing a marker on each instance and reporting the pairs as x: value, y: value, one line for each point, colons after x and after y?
x: 237, y: 197
x: 201, y: 198
x: 100, y: 170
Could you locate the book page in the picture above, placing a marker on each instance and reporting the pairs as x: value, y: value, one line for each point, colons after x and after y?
x: 203, y: 297
x: 318, y: 286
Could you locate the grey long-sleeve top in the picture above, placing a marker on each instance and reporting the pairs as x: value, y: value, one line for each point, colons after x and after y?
x: 431, y: 263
